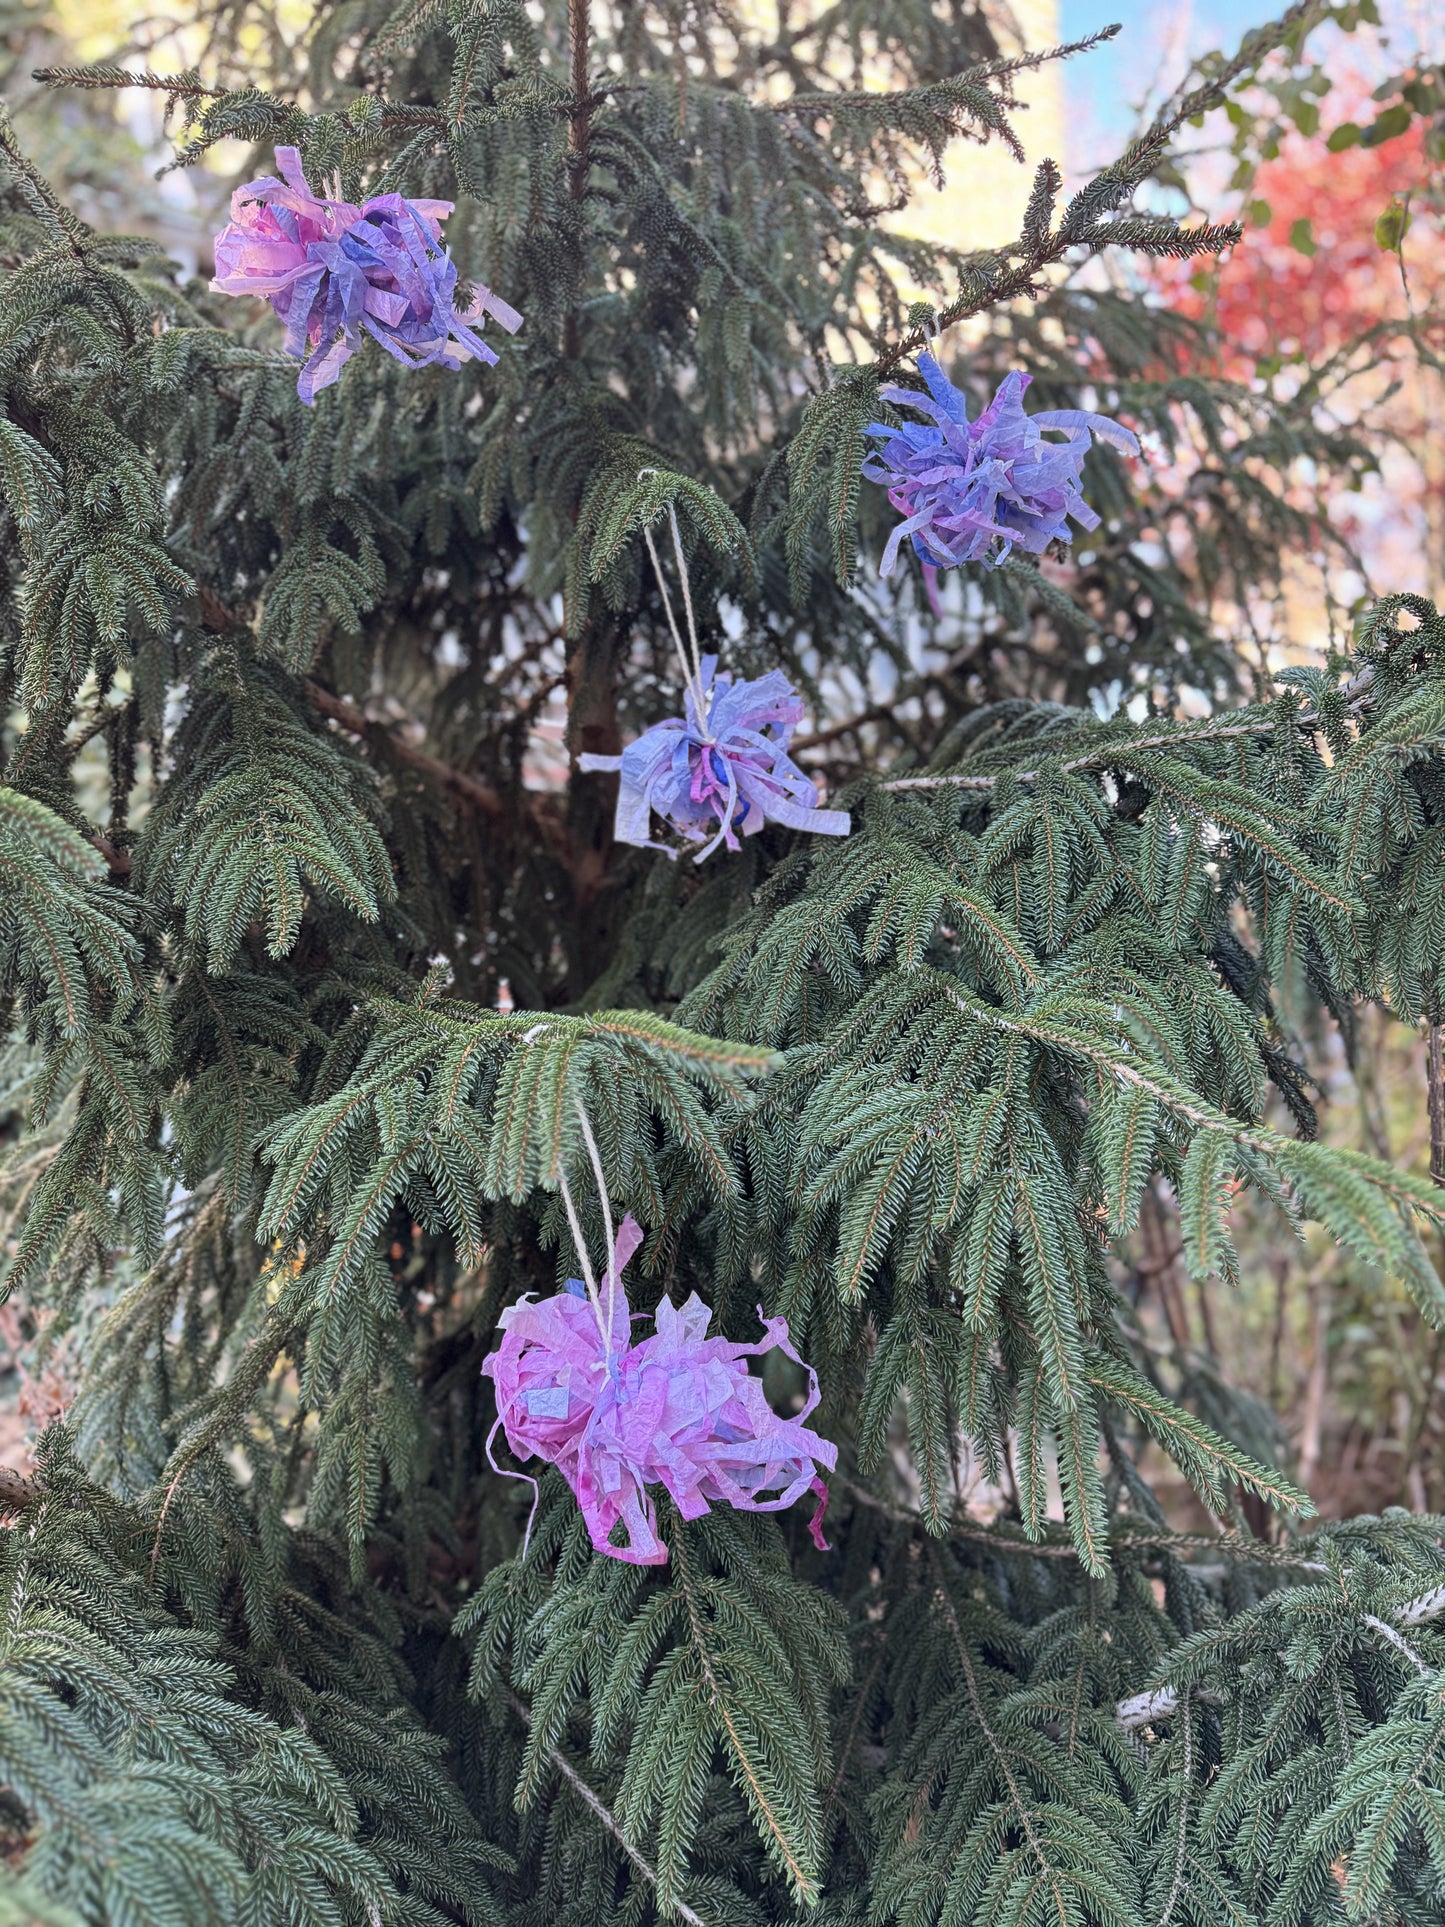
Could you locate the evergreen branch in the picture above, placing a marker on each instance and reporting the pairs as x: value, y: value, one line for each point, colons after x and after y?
x: 1290, y: 27
x: 1160, y: 1702
x: 206, y: 1696
x: 1193, y: 1445
x: 1081, y: 226
x: 605, y: 1817
x: 1356, y: 695
x: 1018, y: 1799
x: 38, y: 191
x: 186, y: 86
x: 227, y: 1406
x: 1408, y: 1193
x: 690, y: 1047
x: 756, y: 1781
x: 1004, y: 68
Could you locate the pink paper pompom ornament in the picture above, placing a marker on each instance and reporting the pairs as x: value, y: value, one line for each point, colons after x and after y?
x: 334, y: 272
x: 679, y: 1410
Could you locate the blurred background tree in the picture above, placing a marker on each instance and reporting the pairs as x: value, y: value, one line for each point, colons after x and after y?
x: 1335, y: 162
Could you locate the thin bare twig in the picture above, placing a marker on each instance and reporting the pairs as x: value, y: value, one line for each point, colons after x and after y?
x: 356, y: 723
x: 1219, y: 1545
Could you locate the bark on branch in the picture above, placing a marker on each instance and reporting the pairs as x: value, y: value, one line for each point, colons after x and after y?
x: 471, y: 789
x: 16, y: 1491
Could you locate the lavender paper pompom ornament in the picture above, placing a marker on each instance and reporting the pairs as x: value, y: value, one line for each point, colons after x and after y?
x: 974, y: 491
x: 679, y: 1410
x: 722, y: 768
x: 334, y: 272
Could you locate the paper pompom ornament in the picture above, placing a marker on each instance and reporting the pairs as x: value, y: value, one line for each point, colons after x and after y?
x: 719, y: 770
x: 722, y: 768
x: 678, y: 1410
x: 335, y: 272
x: 973, y: 491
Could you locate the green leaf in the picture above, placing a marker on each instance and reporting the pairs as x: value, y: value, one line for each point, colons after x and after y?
x: 1302, y: 237
x: 1391, y: 227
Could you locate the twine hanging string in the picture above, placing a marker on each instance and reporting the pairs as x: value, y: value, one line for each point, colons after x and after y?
x: 691, y: 671
x: 608, y: 1234
x: 594, y: 1296
x: 692, y: 677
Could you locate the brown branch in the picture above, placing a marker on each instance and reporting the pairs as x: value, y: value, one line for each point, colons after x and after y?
x: 16, y: 1491
x: 216, y: 616
x: 579, y: 134
x: 1018, y: 283
x: 877, y: 714
x: 1009, y: 1540
x: 907, y: 691
x: 1435, y: 1079
x: 579, y: 129
x: 118, y: 861
x: 356, y: 723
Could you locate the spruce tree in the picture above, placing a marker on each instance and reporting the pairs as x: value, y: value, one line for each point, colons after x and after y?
x: 315, y: 991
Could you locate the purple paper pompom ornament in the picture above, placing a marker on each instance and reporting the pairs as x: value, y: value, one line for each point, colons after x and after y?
x: 973, y: 491
x: 334, y: 271
x: 722, y: 767
x: 679, y: 1410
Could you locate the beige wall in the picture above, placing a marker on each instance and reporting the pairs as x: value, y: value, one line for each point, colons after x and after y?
x: 985, y: 189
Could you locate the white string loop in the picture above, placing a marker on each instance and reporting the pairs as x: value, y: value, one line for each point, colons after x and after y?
x: 594, y: 1296
x: 691, y: 670
x: 606, y: 1203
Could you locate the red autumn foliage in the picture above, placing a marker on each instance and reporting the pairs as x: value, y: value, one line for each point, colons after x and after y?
x: 1311, y: 286
x: 1272, y: 298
